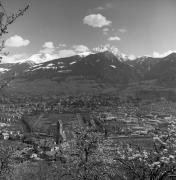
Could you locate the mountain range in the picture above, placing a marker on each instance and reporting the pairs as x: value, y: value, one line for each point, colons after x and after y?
x: 103, y: 71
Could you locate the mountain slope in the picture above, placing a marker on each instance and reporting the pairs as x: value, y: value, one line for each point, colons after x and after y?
x: 164, y: 71
x: 94, y: 73
x: 9, y: 71
x: 143, y: 64
x: 102, y: 72
x: 104, y: 67
x: 101, y: 67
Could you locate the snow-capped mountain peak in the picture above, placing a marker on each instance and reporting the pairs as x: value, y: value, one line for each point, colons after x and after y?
x: 103, y: 48
x: 112, y: 49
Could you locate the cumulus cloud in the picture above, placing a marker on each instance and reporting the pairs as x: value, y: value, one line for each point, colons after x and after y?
x: 16, y: 41
x: 14, y: 58
x: 62, y: 45
x: 131, y: 57
x: 108, y: 5
x: 99, y: 8
x: 48, y: 48
x: 104, y: 7
x: 161, y: 55
x: 40, y: 58
x: 122, y: 30
x: 37, y: 58
x: 80, y: 48
x: 48, y: 45
x: 75, y: 50
x: 47, y: 53
x: 49, y: 57
x: 50, y: 52
x: 105, y: 31
x: 96, y: 20
x: 114, y: 38
x: 66, y: 53
x: 157, y: 55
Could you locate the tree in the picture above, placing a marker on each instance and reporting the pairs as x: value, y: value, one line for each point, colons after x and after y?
x: 6, y: 153
x: 151, y: 164
x: 6, y: 161
x: 6, y: 20
x: 85, y: 158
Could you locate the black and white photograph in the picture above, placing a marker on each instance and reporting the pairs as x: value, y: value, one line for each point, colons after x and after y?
x: 87, y: 89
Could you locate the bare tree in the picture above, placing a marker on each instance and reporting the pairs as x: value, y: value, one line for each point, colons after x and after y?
x: 6, y: 20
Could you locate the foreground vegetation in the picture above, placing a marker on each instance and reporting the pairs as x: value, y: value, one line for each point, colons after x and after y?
x: 90, y: 149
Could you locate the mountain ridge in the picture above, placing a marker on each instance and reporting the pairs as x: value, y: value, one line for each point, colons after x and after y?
x: 93, y: 73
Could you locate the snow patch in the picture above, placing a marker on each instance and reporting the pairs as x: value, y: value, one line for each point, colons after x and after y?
x: 3, y: 70
x: 64, y: 71
x: 50, y: 65
x: 113, y: 66
x: 61, y: 67
x: 37, y: 65
x: 131, y: 65
x: 73, y: 62
x: 38, y: 68
x: 84, y: 54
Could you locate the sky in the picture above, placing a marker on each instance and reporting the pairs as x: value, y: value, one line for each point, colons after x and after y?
x: 59, y: 28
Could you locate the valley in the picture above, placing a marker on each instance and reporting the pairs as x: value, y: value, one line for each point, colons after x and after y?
x: 87, y: 90
x: 44, y: 126
x: 47, y: 109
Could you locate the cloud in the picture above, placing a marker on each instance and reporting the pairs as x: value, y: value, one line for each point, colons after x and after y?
x: 48, y: 48
x: 62, y: 45
x: 49, y: 57
x: 161, y: 55
x: 108, y: 5
x: 40, y: 58
x: 114, y: 38
x: 105, y: 31
x: 50, y: 52
x: 46, y: 54
x: 16, y: 41
x: 37, y: 58
x: 157, y: 55
x: 131, y: 57
x: 101, y: 8
x: 122, y: 30
x: 49, y: 45
x: 66, y: 53
x: 96, y: 20
x: 106, y: 47
x: 80, y: 48
x: 75, y: 50
x: 14, y: 58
